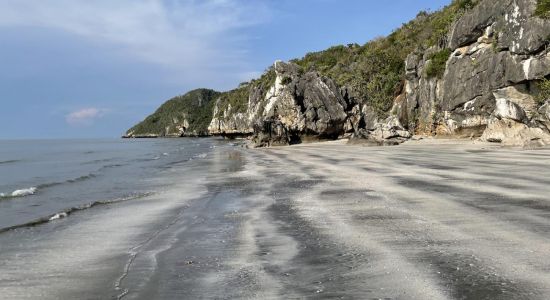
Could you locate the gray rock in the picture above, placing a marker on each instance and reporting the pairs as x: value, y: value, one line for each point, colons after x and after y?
x: 300, y: 106
x: 509, y: 110
x: 519, y: 95
x: 472, y: 25
x: 523, y: 68
x: 543, y: 116
x: 518, y: 30
x: 320, y: 98
x: 388, y: 132
x: 228, y: 122
x: 474, y: 76
x: 512, y: 133
x: 511, y: 22
x: 498, y: 50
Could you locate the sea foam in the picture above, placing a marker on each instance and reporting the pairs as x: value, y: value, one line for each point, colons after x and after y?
x: 58, y: 216
x: 20, y: 193
x: 24, y: 192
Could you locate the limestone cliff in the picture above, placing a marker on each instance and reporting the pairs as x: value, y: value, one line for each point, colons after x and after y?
x: 498, y: 55
x: 186, y: 115
x: 477, y: 69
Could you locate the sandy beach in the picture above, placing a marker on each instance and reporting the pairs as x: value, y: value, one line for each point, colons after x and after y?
x: 423, y: 220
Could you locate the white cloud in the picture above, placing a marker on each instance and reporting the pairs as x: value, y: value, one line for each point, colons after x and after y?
x: 194, y: 38
x: 85, y: 116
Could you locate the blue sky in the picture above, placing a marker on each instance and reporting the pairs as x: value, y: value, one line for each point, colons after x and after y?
x: 80, y: 68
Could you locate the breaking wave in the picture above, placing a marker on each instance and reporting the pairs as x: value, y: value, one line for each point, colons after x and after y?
x: 24, y: 192
x: 65, y: 213
x: 33, y: 190
x: 20, y: 193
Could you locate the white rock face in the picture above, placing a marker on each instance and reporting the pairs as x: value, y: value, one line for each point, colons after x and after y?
x: 273, y: 94
x: 512, y: 133
x: 506, y: 109
x: 228, y: 122
x: 518, y: 95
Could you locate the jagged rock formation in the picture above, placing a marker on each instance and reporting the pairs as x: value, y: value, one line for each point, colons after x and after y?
x: 475, y: 69
x: 229, y: 116
x: 499, y: 50
x: 296, y: 106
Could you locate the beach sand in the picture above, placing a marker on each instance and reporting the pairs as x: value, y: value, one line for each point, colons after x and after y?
x: 431, y: 219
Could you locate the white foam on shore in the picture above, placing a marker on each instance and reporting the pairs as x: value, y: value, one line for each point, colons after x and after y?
x: 20, y: 193
x: 202, y: 155
x: 58, y: 216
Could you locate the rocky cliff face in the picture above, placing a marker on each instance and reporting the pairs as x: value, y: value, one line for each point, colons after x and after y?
x: 297, y: 106
x: 476, y: 69
x: 499, y: 52
x: 493, y: 57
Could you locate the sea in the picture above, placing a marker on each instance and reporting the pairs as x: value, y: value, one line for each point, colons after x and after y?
x: 88, y: 219
x: 43, y: 180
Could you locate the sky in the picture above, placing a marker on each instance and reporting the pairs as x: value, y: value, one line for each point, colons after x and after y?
x: 90, y: 69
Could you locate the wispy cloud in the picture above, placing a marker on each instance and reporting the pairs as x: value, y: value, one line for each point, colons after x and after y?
x: 85, y: 116
x: 195, y: 37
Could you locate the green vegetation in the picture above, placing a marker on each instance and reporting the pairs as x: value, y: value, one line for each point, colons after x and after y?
x: 195, y: 107
x: 237, y: 98
x: 543, y: 9
x: 376, y: 71
x: 286, y: 80
x: 437, y: 64
x: 544, y: 91
x: 265, y: 81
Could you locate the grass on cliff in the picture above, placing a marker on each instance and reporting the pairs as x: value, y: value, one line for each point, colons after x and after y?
x: 375, y: 71
x: 195, y: 106
x: 543, y: 94
x: 238, y: 98
x: 437, y: 63
x: 543, y: 9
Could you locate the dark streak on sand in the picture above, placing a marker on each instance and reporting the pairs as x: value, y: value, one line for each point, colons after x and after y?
x: 322, y: 223
x: 346, y: 222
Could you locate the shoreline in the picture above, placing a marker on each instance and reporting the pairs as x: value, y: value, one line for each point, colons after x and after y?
x: 460, y: 220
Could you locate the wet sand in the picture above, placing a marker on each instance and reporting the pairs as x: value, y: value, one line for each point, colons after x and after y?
x: 416, y: 221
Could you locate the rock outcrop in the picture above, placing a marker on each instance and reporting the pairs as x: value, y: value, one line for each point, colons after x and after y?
x: 480, y: 80
x: 298, y: 106
x: 386, y: 133
x: 499, y: 51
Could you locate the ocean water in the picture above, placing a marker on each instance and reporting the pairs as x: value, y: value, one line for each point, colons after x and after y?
x: 89, y: 219
x: 207, y: 219
x: 48, y: 179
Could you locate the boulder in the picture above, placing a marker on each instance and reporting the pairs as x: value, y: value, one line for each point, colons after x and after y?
x: 512, y: 133
x: 506, y: 109
x: 388, y: 132
x: 518, y: 94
